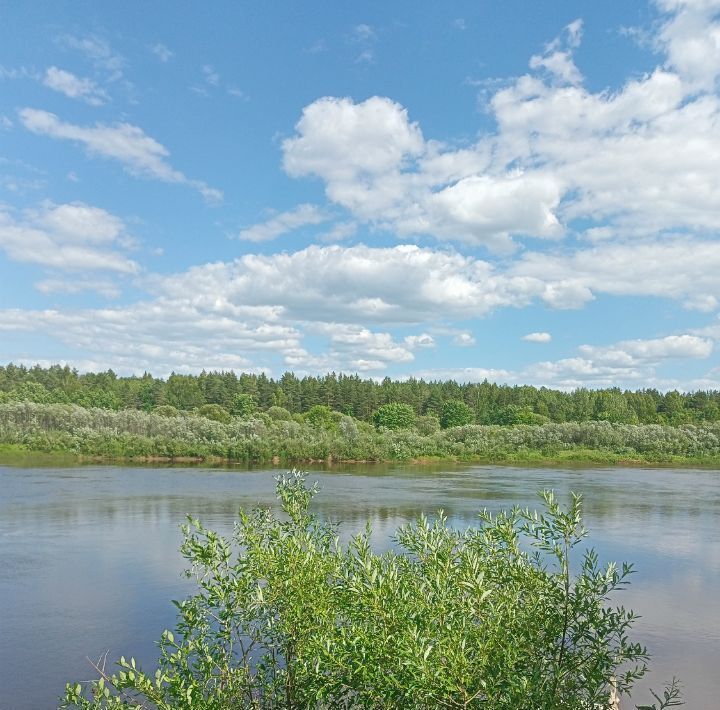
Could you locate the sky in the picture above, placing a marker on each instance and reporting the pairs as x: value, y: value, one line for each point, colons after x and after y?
x: 522, y: 192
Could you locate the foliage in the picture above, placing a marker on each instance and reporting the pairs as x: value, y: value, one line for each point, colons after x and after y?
x: 394, y: 415
x: 279, y: 414
x: 130, y: 433
x: 244, y: 405
x: 427, y: 424
x: 166, y: 410
x: 512, y: 414
x: 321, y: 417
x: 214, y: 412
x: 243, y: 394
x: 287, y: 618
x: 456, y: 413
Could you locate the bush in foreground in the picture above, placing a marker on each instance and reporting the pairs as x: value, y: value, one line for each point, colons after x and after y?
x: 489, y: 618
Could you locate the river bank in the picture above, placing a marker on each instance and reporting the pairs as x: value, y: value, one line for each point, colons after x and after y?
x: 23, y: 455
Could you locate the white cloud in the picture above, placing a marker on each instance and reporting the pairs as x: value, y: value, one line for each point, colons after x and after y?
x: 159, y: 336
x: 364, y: 36
x: 344, y: 142
x: 410, y: 284
x: 105, y: 288
x: 359, y: 284
x: 626, y: 364
x: 464, y: 340
x: 637, y: 161
x: 557, y: 59
x: 356, y: 342
x: 74, y: 87
x: 5, y: 123
x: 162, y: 52
x: 632, y: 352
x: 424, y: 340
x: 99, y: 51
x: 140, y: 154
x: 12, y: 73
x: 338, y: 232
x: 302, y: 216
x: 681, y: 268
x: 80, y: 223
x: 270, y: 304
x: 376, y: 164
x: 70, y: 237
x: 537, y: 337
x: 691, y: 39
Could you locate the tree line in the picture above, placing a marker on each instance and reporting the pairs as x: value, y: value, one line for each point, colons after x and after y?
x: 244, y: 393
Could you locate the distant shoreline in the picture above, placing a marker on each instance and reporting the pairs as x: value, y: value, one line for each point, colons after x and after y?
x: 13, y: 454
x: 75, y: 434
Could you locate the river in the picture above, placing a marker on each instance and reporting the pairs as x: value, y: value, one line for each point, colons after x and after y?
x: 89, y: 560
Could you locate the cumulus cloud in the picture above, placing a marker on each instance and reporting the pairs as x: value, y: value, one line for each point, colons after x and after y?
x: 354, y: 344
x: 140, y: 154
x: 74, y: 86
x: 625, y: 364
x: 106, y: 288
x: 412, y: 284
x: 681, y: 268
x: 310, y: 310
x: 424, y: 340
x: 464, y: 340
x: 302, y: 216
x: 375, y: 162
x: 537, y: 337
x: 69, y: 237
x: 338, y: 232
x: 691, y: 40
x: 159, y: 336
x: 632, y: 352
x: 636, y: 161
x: 557, y: 59
x: 360, y: 284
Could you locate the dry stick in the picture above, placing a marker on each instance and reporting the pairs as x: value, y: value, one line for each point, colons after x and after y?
x: 101, y: 670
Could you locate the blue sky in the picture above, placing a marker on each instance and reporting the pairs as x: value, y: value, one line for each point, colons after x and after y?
x: 521, y: 191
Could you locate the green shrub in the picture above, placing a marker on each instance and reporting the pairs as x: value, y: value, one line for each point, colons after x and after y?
x: 394, y: 415
x: 486, y: 618
x: 167, y: 410
x: 427, y: 424
x: 30, y: 392
x: 215, y: 413
x: 322, y: 417
x: 279, y: 414
x: 244, y: 405
x: 455, y: 413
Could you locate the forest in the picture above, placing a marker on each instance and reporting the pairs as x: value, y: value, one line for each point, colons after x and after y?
x: 255, y: 419
x: 244, y: 394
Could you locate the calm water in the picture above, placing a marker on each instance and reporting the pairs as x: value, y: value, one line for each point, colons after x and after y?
x: 89, y: 561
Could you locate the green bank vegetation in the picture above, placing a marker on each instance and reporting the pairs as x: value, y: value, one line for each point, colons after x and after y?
x: 491, y: 617
x: 252, y: 418
x: 323, y: 435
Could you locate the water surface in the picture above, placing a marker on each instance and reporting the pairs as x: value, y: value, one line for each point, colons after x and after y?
x: 89, y: 561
